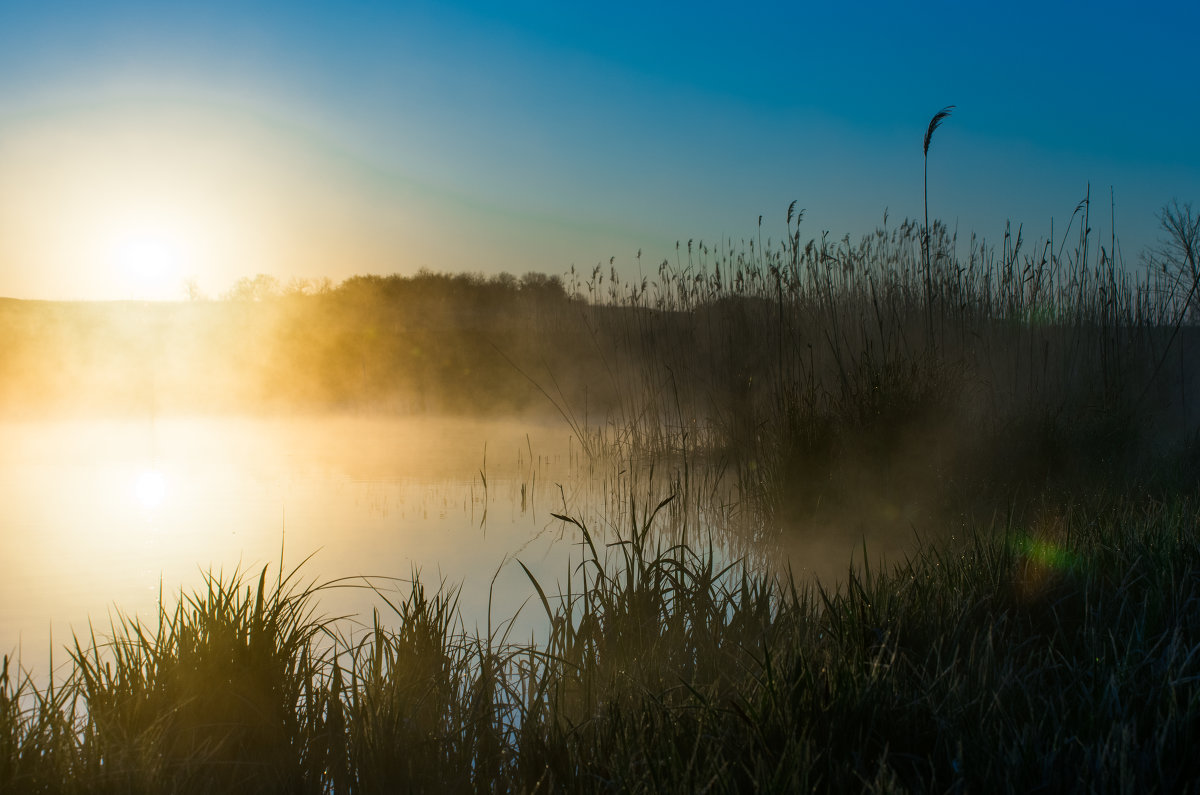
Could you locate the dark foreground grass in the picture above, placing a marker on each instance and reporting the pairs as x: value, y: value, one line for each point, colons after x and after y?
x: 1061, y: 654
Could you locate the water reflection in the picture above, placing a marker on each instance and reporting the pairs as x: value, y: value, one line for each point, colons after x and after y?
x: 150, y: 489
x: 103, y: 514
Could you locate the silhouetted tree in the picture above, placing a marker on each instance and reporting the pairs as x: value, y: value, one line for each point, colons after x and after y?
x: 259, y: 288
x: 191, y: 289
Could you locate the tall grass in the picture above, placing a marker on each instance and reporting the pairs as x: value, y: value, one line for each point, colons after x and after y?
x: 822, y: 371
x: 220, y: 692
x: 1061, y: 654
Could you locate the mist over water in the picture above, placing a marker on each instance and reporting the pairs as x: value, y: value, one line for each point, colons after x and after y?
x: 799, y: 415
x: 101, y: 513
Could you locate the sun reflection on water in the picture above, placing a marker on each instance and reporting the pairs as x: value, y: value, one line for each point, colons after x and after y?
x: 150, y: 489
x: 98, y: 517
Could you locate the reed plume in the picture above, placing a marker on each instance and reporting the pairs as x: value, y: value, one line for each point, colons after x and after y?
x: 934, y: 123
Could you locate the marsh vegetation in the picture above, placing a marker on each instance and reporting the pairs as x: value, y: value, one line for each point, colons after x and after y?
x: 1015, y: 423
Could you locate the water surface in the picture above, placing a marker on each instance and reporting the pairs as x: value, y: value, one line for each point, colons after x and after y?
x: 102, y: 514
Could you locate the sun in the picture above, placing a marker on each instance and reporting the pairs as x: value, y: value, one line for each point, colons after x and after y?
x: 149, y: 262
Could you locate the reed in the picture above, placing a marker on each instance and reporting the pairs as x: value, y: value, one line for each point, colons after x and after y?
x: 224, y: 691
x: 822, y: 371
x: 1049, y: 654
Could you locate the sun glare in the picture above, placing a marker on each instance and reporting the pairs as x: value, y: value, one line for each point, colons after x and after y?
x: 149, y: 263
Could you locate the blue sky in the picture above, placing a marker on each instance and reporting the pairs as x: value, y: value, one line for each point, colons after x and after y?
x: 325, y: 139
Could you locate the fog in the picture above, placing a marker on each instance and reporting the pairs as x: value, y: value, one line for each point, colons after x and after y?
x: 85, y: 536
x: 436, y: 422
x: 402, y: 346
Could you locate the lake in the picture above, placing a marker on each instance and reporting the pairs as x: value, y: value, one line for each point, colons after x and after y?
x: 100, y: 514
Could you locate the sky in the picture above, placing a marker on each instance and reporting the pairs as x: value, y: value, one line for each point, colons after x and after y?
x: 146, y: 144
